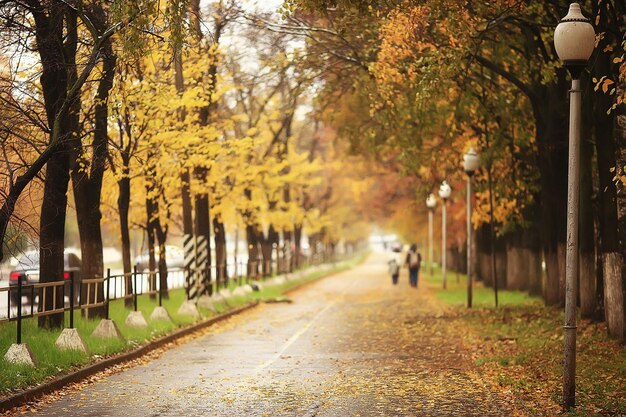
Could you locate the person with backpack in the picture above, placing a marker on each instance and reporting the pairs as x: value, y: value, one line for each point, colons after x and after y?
x: 413, y: 262
x: 394, y: 270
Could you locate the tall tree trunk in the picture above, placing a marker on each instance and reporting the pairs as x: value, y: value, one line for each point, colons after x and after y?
x: 253, y: 251
x: 267, y: 250
x: 606, y: 148
x: 288, y: 258
x: 220, y: 251
x: 156, y: 232
x: 126, y: 149
x: 314, y: 244
x: 620, y: 138
x: 297, y: 237
x: 615, y: 287
x: 598, y: 313
x: 551, y: 138
x: 534, y: 257
x: 619, y: 328
x: 195, y: 17
x: 52, y: 234
x: 54, y: 83
x: 188, y: 240
x: 123, y: 205
x: 517, y: 271
x: 88, y: 185
x: 205, y: 116
x: 587, y: 274
x: 161, y: 235
x: 151, y: 215
x: 482, y: 270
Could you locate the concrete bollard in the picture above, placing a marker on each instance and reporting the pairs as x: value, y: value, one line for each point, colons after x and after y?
x: 225, y: 292
x: 206, y: 302
x: 20, y: 354
x: 107, y: 329
x: 136, y: 319
x: 188, y: 308
x: 70, y: 339
x: 239, y: 292
x: 160, y: 313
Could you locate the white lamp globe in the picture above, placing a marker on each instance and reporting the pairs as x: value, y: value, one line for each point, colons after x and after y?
x: 471, y: 162
x: 431, y: 202
x: 445, y: 190
x: 574, y: 38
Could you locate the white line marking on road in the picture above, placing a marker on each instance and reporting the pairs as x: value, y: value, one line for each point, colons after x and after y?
x: 293, y: 338
x: 302, y: 330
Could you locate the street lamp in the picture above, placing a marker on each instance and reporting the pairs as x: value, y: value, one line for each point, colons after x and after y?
x: 431, y: 203
x: 470, y: 165
x: 574, y: 41
x: 444, y: 193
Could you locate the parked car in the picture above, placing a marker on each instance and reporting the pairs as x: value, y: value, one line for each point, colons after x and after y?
x: 27, y: 270
x: 174, y: 256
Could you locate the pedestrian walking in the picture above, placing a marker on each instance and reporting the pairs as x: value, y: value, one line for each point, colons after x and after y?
x: 413, y: 262
x: 394, y: 270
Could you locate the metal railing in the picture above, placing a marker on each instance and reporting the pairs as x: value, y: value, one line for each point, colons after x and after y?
x: 50, y: 298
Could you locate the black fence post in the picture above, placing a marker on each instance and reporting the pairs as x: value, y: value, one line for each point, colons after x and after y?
x: 108, y: 292
x: 160, y: 290
x: 135, y: 287
x: 71, y: 299
x: 32, y: 298
x: 19, y: 310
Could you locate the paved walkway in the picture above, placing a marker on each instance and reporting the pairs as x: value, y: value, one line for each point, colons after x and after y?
x: 349, y: 345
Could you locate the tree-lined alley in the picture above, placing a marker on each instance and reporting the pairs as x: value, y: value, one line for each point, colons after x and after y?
x: 252, y: 133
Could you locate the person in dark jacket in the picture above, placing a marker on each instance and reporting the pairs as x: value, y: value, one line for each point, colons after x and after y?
x: 413, y: 262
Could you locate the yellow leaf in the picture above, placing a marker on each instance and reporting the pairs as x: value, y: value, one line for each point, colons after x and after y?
x: 606, y: 84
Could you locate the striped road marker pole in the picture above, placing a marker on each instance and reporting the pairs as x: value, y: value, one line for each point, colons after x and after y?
x: 201, y: 260
x: 190, y: 264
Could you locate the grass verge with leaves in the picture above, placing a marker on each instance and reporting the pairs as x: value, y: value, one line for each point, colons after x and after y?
x: 518, y: 348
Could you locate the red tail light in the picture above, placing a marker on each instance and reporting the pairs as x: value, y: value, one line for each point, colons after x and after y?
x: 66, y: 275
x: 14, y: 276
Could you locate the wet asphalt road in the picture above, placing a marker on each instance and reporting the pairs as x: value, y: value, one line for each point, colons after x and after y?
x: 349, y: 345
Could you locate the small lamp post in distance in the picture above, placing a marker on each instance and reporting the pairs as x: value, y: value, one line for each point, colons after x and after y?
x: 431, y: 203
x: 471, y: 162
x: 444, y: 194
x: 574, y: 41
